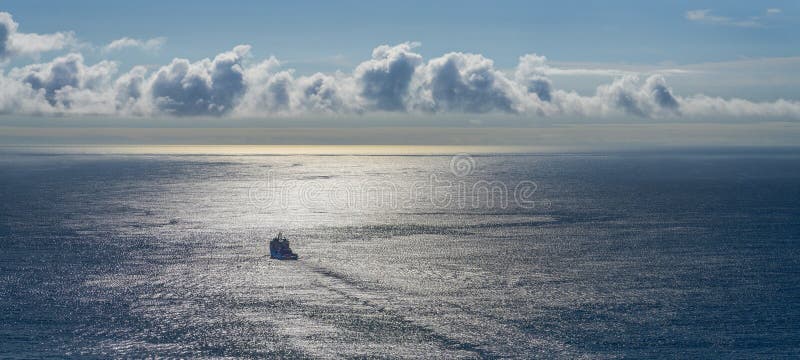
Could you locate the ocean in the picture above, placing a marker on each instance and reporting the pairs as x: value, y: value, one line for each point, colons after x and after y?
x: 129, y: 254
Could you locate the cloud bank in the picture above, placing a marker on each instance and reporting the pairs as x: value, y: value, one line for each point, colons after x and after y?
x: 395, y: 79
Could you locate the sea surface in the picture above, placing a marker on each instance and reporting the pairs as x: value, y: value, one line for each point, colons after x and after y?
x: 108, y: 254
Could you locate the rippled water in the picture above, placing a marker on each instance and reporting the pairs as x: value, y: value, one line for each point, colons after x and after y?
x: 616, y: 255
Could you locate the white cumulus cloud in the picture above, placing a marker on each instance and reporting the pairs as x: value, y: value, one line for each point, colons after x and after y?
x: 206, y: 87
x: 386, y: 78
x: 467, y: 83
x: 153, y: 44
x: 709, y: 17
x: 66, y: 84
x: 15, y: 43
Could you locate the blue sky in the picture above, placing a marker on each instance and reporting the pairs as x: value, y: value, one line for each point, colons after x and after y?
x: 325, y: 35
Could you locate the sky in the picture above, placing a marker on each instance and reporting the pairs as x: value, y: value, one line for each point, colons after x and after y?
x: 443, y: 63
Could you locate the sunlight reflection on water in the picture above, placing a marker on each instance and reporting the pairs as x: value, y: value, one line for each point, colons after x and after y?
x: 166, y: 255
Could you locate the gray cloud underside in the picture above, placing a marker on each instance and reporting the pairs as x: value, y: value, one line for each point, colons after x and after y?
x: 395, y: 79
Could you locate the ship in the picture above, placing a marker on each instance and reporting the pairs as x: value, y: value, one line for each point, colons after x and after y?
x: 279, y: 248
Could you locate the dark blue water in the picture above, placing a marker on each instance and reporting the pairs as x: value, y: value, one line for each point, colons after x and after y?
x: 687, y: 254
